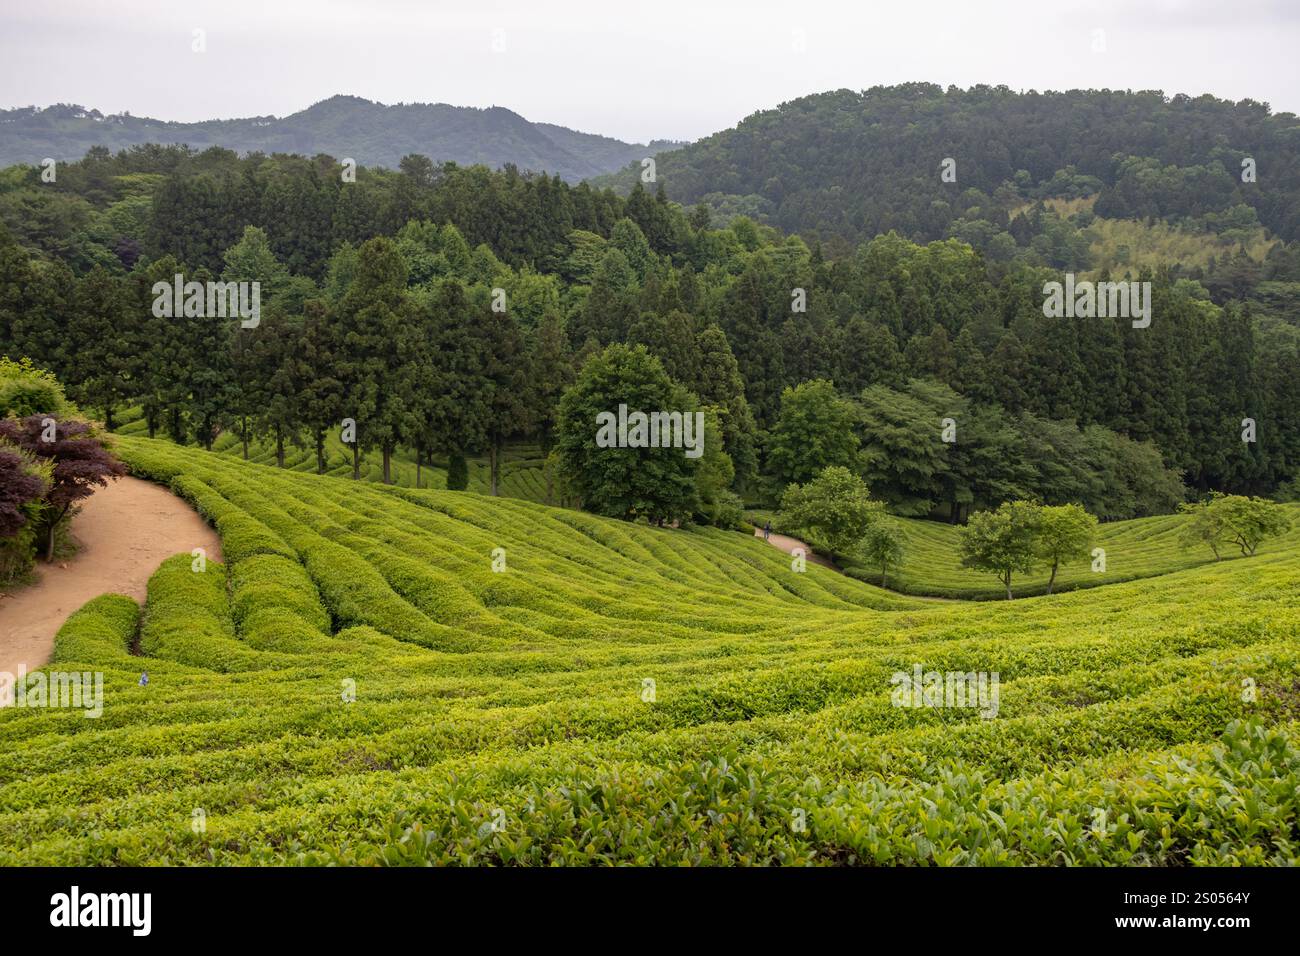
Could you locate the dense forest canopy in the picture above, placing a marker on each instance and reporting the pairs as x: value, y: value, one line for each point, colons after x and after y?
x: 853, y: 165
x: 380, y: 294
x: 1076, y: 180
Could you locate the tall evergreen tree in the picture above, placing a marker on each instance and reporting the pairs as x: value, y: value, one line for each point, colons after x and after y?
x: 375, y: 343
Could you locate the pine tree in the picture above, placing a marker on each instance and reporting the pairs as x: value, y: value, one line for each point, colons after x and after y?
x: 551, y: 371
x: 324, y: 394
x: 101, y: 360
x: 375, y: 343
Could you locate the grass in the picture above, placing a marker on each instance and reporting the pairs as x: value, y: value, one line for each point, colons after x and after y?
x: 1120, y: 244
x: 1133, y: 245
x: 358, y: 686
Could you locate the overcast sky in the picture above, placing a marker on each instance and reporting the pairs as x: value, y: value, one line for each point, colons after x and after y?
x: 676, y: 69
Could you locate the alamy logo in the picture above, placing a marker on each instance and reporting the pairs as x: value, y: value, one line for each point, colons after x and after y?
x: 946, y: 689
x: 220, y: 300
x: 103, y: 909
x: 656, y: 430
x: 1088, y: 300
x: 66, y: 689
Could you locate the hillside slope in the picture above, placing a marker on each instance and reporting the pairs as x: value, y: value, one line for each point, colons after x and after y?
x: 358, y: 685
x: 1138, y: 548
x: 851, y: 165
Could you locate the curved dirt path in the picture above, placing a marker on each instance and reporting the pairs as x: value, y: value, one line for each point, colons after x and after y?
x: 123, y: 533
x: 788, y: 544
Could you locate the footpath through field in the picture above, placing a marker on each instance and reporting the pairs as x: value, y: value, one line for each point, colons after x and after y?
x: 788, y: 544
x: 123, y: 533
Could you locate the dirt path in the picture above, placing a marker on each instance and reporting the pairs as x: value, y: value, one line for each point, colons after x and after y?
x: 123, y: 533
x: 788, y: 544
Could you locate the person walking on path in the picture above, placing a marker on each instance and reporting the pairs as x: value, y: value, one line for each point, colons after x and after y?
x: 767, y: 530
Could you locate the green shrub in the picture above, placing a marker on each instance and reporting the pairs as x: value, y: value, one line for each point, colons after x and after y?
x: 27, y: 390
x: 101, y: 630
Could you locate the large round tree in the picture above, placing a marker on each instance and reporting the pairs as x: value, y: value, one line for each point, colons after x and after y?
x: 625, y: 482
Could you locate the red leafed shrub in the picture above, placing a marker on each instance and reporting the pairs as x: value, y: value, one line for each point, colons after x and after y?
x: 20, y: 487
x: 78, y: 459
x: 23, y: 484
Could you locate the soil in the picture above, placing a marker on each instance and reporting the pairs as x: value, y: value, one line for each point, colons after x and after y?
x: 123, y: 533
x: 788, y: 544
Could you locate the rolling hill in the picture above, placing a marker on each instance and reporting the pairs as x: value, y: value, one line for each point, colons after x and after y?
x: 341, y: 126
x: 846, y: 165
x: 1138, y: 548
x: 358, y: 685
x: 1134, y: 549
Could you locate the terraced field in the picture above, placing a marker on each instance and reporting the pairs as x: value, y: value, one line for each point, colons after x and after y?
x: 1142, y: 548
x: 358, y: 685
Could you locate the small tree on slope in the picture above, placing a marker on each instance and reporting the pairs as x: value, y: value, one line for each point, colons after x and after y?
x: 1065, y: 533
x: 1001, y: 541
x: 834, y: 509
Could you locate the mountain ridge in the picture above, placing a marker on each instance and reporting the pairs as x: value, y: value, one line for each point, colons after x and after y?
x: 343, y: 125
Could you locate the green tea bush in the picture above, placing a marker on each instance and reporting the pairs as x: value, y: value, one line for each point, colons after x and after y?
x: 103, y: 629
x: 366, y: 683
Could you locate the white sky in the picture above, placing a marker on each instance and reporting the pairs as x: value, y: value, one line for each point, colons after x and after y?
x: 634, y: 69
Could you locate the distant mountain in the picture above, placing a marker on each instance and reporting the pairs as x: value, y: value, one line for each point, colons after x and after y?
x: 342, y: 126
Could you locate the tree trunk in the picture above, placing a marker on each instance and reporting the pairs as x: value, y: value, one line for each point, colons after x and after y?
x: 320, y: 451
x: 108, y: 417
x: 494, y: 464
x: 356, y: 461
x: 1052, y: 579
x: 279, y: 448
x: 419, y: 457
x: 244, y: 436
x: 388, y: 458
x: 1007, y: 582
x: 49, y: 540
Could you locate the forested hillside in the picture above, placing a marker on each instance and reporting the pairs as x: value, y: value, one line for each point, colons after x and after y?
x: 371, y: 133
x: 380, y: 304
x: 856, y: 164
x: 930, y: 163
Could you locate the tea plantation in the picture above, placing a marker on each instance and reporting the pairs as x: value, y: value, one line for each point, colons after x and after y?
x: 359, y: 685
